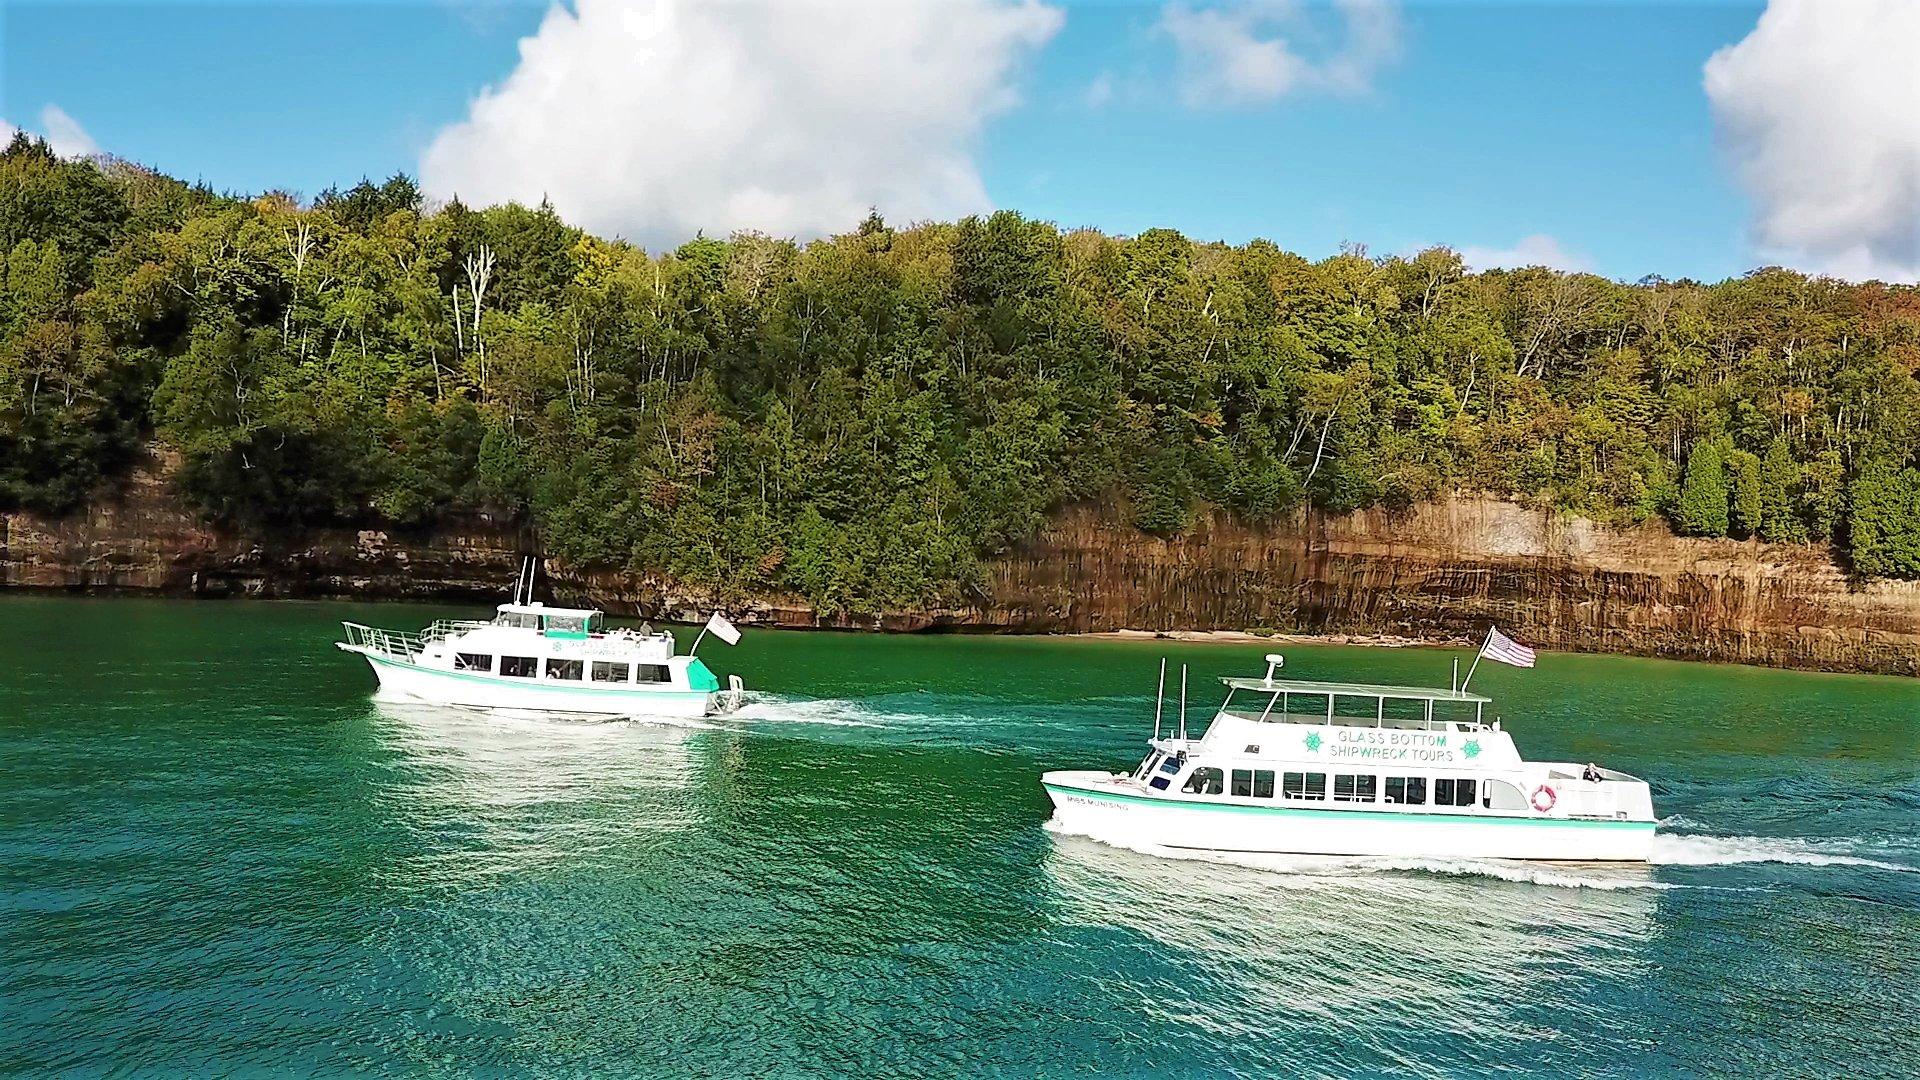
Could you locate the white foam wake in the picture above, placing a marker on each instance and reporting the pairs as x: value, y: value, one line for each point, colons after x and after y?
x: 1672, y: 850
x: 831, y: 712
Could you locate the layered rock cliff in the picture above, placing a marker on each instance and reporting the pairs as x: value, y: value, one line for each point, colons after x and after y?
x: 1446, y: 569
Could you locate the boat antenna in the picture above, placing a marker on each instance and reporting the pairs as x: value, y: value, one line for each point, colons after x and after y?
x: 1183, y: 703
x: 1159, y: 697
x: 1275, y: 662
x: 523, y: 582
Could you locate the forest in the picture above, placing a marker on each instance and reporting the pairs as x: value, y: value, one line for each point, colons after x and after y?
x: 862, y: 420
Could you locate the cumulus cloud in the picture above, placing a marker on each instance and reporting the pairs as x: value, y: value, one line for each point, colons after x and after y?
x: 1536, y: 250
x: 63, y: 133
x: 1261, y: 50
x: 658, y: 120
x: 1819, y: 110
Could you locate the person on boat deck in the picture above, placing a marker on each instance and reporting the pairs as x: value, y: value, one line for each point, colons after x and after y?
x: 1592, y: 773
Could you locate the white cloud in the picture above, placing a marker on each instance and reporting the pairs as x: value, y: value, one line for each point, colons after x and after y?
x: 1252, y: 52
x: 661, y: 119
x: 1536, y: 250
x: 65, y: 134
x: 1819, y: 109
x: 1100, y: 91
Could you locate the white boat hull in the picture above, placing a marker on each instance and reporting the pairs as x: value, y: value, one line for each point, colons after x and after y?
x: 1100, y: 806
x: 400, y: 681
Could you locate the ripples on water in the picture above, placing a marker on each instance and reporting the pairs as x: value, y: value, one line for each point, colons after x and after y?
x: 220, y: 857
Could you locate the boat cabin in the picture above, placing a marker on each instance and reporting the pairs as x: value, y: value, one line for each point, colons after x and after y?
x: 1366, y: 747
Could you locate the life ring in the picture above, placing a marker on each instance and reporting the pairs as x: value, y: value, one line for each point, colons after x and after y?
x: 1544, y: 798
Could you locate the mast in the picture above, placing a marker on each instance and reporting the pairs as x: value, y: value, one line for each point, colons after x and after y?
x: 1159, y: 698
x: 1183, y: 703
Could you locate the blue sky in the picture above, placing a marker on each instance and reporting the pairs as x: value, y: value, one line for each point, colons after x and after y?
x: 1583, y: 123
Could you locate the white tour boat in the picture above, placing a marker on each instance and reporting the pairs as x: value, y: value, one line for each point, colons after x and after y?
x: 539, y: 659
x: 1345, y: 769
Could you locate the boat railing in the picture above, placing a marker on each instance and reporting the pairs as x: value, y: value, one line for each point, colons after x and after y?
x: 442, y: 629
x: 395, y: 643
x: 1321, y: 719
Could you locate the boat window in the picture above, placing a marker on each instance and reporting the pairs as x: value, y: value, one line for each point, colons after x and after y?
x: 470, y: 661
x: 1205, y: 781
x: 1159, y: 783
x: 569, y: 626
x: 570, y: 670
x: 1263, y: 783
x: 1500, y: 795
x: 607, y: 671
x: 1407, y: 790
x: 1253, y: 748
x: 520, y: 667
x: 1311, y: 785
x: 1172, y: 764
x: 651, y: 673
x: 1243, y: 782
x: 1453, y: 793
x: 521, y: 620
x: 1354, y: 788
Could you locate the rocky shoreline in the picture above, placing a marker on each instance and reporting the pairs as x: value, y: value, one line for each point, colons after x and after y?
x: 1437, y: 574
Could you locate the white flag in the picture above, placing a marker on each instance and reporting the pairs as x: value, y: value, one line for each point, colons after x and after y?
x: 719, y: 627
x: 1504, y: 649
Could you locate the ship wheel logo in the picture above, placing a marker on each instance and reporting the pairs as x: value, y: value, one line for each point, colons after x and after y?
x: 1471, y: 749
x: 1313, y: 742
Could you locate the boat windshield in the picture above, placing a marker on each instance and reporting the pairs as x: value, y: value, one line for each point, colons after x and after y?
x: 1302, y: 702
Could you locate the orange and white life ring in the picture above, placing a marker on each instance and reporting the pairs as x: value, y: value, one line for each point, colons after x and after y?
x: 1544, y: 798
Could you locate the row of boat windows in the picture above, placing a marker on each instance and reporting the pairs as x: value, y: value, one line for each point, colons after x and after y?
x: 559, y: 670
x: 1347, y: 787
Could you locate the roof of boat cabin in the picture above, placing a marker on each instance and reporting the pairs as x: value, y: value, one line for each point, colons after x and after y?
x: 537, y: 608
x: 1359, y: 690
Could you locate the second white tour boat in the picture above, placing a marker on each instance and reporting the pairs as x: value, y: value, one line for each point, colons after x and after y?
x: 537, y: 659
x: 1347, y: 769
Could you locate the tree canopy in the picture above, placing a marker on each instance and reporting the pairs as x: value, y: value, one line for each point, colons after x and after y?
x: 863, y: 419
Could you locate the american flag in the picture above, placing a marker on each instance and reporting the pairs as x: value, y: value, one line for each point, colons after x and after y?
x: 1504, y: 649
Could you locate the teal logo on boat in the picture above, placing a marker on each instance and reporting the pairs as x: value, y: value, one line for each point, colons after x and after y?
x: 1313, y: 742
x: 1471, y: 748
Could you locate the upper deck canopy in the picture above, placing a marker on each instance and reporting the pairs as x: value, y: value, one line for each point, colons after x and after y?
x: 544, y: 611
x: 1355, y: 690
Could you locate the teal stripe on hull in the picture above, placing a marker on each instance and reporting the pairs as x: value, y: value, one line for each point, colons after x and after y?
x: 532, y: 684
x: 1371, y: 815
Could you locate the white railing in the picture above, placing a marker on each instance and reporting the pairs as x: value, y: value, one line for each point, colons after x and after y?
x: 395, y: 643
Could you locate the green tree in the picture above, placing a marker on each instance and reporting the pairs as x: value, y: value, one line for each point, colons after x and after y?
x: 1884, y: 525
x: 1748, y: 501
x: 1703, y: 494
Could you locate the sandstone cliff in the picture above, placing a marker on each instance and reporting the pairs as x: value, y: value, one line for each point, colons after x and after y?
x: 1442, y: 570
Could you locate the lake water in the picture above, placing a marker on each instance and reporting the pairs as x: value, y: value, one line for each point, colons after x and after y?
x: 220, y: 856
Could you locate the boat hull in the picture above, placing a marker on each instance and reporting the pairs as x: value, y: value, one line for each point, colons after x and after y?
x: 1094, y: 804
x: 400, y: 681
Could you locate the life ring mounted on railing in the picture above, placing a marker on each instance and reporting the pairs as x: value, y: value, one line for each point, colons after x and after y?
x: 1544, y: 798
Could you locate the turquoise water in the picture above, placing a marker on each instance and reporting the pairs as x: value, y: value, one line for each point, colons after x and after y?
x: 220, y: 856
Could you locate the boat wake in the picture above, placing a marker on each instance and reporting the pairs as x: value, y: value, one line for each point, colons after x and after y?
x: 826, y: 712
x: 1695, y: 850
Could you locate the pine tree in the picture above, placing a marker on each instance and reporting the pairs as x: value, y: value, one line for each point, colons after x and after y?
x: 1744, y: 470
x: 1779, y: 485
x: 1885, y: 522
x: 1703, y: 495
